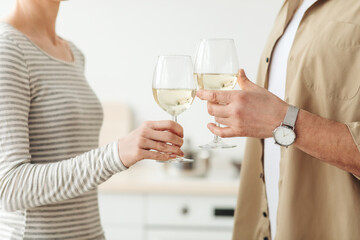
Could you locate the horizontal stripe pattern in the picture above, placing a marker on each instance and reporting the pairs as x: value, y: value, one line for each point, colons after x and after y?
x: 50, y: 165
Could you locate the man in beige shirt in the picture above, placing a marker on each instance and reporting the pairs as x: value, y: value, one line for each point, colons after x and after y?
x: 319, y: 191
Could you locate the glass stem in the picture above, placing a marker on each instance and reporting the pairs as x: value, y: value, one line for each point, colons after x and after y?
x: 174, y: 118
x: 217, y: 138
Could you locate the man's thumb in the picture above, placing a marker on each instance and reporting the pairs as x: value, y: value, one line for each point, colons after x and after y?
x: 243, y: 81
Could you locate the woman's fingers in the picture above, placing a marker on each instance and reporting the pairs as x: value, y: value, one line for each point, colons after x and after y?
x: 161, y: 147
x: 167, y: 125
x: 159, y: 140
x: 146, y: 154
x: 163, y: 136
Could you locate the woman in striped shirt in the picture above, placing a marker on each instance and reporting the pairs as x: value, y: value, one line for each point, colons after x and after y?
x: 50, y: 118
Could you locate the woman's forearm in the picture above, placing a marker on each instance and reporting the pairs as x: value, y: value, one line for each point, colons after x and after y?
x: 30, y: 185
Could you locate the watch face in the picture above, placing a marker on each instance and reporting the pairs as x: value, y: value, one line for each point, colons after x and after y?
x: 284, y: 136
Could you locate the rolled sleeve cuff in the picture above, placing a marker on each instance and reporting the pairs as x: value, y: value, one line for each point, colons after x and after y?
x: 120, y: 165
x: 354, y: 128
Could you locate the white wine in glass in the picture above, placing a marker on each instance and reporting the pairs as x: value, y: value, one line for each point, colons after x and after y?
x: 174, y: 87
x: 174, y: 101
x: 216, y: 81
x: 216, y: 68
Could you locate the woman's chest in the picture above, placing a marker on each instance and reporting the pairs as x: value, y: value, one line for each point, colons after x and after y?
x: 62, y: 100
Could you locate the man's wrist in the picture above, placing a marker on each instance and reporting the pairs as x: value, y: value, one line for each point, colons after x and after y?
x: 284, y: 135
x: 279, y: 117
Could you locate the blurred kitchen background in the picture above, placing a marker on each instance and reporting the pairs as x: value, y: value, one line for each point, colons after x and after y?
x: 121, y: 40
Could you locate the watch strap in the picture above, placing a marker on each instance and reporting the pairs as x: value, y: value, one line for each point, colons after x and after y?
x: 291, y: 116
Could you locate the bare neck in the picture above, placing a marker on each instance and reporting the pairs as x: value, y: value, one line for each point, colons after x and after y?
x: 36, y: 18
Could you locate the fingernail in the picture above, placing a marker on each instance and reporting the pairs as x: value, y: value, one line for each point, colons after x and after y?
x: 172, y: 156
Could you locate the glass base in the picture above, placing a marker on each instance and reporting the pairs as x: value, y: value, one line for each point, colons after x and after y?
x: 177, y: 160
x: 219, y: 144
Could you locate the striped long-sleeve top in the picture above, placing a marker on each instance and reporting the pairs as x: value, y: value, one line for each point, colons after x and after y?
x: 50, y: 163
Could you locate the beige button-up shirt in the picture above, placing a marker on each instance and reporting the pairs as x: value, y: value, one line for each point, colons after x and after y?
x: 316, y: 200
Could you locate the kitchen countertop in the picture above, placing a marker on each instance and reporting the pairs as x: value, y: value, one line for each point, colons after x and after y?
x: 149, y: 177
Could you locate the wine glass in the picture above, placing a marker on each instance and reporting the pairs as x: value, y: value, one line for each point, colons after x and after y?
x: 216, y: 68
x: 174, y: 87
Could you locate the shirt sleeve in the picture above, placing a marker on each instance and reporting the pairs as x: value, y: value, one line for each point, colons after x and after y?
x: 23, y: 184
x: 354, y: 128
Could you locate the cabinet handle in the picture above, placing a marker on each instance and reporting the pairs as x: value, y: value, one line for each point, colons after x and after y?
x: 224, y: 212
x: 185, y: 210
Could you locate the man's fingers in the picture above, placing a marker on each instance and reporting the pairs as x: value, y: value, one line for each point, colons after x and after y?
x: 223, y: 121
x: 148, y: 144
x: 243, y: 80
x: 223, y: 132
x: 222, y: 97
x: 166, y: 125
x: 218, y: 110
x: 164, y: 136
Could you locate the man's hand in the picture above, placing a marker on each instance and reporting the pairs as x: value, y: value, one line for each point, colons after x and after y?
x: 250, y: 112
x: 255, y: 112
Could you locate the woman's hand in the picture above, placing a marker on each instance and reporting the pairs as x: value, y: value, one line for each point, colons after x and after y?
x: 250, y: 112
x: 159, y: 140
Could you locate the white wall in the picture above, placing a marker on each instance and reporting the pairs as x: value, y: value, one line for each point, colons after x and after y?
x: 122, y: 39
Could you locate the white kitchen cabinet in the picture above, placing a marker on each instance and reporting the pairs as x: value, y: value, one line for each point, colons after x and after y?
x: 189, y: 211
x: 176, y: 234
x: 120, y: 232
x: 122, y: 216
x: 166, y: 217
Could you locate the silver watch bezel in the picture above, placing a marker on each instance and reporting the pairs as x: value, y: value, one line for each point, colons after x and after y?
x: 288, y: 127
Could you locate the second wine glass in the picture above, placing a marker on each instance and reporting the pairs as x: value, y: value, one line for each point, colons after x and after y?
x: 174, y: 87
x: 216, y: 68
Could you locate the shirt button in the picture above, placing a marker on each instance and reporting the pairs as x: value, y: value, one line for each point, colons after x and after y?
x: 261, y: 175
x: 267, y: 59
x: 264, y: 214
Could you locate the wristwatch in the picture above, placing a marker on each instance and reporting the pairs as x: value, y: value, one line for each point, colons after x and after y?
x: 284, y: 135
